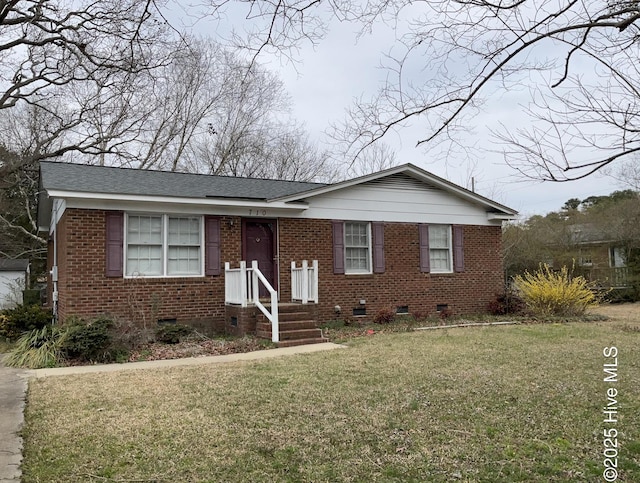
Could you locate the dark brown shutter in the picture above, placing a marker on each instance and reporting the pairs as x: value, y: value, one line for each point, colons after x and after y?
x: 423, y: 232
x: 377, y: 228
x: 338, y: 247
x: 458, y: 248
x: 115, y: 240
x: 211, y: 245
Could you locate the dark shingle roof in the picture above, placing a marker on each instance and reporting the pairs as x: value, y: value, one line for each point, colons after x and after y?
x: 17, y: 265
x: 101, y: 179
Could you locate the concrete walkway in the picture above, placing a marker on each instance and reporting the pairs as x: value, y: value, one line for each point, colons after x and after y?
x: 187, y: 361
x: 13, y: 387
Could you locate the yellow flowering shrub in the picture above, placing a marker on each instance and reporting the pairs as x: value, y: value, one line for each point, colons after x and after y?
x: 546, y: 292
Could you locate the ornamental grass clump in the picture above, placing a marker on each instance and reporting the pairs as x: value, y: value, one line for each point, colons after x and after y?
x: 549, y: 293
x: 38, y: 348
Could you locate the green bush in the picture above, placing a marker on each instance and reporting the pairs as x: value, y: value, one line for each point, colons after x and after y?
x: 7, y: 328
x: 549, y: 293
x: 89, y: 341
x: 23, y: 318
x: 173, y: 333
x: 38, y: 348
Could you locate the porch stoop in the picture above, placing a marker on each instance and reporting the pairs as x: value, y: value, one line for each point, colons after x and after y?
x: 297, y: 325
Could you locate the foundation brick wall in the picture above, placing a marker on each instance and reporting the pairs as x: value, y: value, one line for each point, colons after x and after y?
x: 84, y: 290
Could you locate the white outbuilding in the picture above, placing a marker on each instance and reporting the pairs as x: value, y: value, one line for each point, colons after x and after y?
x: 14, y: 278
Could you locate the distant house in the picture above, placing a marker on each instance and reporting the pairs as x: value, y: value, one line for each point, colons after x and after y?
x: 243, y: 255
x: 599, y: 257
x: 14, y: 278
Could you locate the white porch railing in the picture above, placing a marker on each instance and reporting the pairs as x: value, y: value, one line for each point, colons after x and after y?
x: 242, y: 286
x: 304, y: 282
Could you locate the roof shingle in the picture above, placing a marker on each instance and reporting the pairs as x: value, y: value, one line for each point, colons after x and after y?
x: 109, y: 180
x: 16, y: 265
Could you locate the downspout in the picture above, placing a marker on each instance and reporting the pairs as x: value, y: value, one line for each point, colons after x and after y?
x: 54, y: 267
x: 278, y: 257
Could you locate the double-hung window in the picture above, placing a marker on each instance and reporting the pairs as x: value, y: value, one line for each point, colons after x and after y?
x: 357, y: 247
x: 164, y: 245
x: 440, y: 259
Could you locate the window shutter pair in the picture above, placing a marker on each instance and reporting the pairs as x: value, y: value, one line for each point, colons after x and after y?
x: 458, y: 248
x: 115, y: 244
x: 377, y: 232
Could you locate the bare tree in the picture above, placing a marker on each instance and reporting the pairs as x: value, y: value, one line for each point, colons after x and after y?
x: 49, y: 42
x: 18, y: 192
x: 627, y: 172
x: 247, y: 130
x: 579, y: 61
x: 49, y: 48
x: 375, y: 157
x: 151, y: 119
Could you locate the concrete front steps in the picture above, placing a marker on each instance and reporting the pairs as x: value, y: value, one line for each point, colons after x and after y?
x: 297, y: 326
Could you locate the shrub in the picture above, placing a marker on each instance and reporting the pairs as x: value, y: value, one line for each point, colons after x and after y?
x: 128, y: 335
x: 173, y: 333
x: 419, y: 314
x: 507, y: 303
x: 546, y: 292
x: 446, y: 313
x: 38, y: 348
x: 25, y: 318
x: 385, y: 315
x: 7, y: 328
x: 89, y: 341
x: 623, y: 295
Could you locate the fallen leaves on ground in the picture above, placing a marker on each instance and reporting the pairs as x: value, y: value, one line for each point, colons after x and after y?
x: 208, y: 347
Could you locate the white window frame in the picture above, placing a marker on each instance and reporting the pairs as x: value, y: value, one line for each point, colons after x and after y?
x: 612, y: 257
x: 164, y: 246
x: 585, y: 259
x: 449, y: 248
x: 358, y: 271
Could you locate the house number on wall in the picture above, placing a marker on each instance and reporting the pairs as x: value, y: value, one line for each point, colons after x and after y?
x: 253, y: 212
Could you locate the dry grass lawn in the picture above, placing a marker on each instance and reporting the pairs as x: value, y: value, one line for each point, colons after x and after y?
x: 493, y: 404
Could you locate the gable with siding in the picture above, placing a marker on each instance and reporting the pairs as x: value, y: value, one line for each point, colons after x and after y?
x: 397, y: 198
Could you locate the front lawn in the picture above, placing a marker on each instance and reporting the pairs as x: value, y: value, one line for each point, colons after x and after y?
x: 491, y: 404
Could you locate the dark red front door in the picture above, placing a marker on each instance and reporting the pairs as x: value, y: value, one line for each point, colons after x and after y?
x: 260, y: 244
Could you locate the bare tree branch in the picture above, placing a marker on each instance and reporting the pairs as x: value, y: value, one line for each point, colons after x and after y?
x: 580, y: 60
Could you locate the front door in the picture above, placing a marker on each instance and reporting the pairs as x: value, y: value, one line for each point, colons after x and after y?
x: 259, y: 243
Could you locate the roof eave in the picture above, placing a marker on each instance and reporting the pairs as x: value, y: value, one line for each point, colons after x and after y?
x: 208, y: 201
x: 492, y: 216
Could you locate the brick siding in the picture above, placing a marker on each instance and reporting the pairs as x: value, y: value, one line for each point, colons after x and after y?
x: 84, y: 290
x: 402, y: 283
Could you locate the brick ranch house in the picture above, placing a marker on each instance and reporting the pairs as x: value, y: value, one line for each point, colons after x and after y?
x: 173, y: 247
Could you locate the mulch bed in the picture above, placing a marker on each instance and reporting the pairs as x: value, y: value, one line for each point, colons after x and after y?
x: 197, y: 348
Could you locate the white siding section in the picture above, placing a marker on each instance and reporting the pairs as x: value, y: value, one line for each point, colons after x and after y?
x: 397, y: 198
x: 11, y: 287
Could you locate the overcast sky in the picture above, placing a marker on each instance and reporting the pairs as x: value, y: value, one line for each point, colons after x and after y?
x: 329, y: 76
